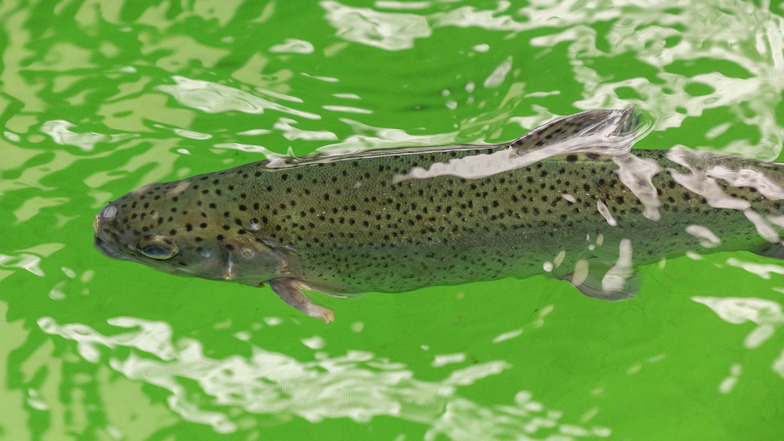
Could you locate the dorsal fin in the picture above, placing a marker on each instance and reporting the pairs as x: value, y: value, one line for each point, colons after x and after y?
x: 608, y: 126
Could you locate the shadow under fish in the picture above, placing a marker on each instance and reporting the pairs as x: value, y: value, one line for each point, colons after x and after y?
x: 569, y: 198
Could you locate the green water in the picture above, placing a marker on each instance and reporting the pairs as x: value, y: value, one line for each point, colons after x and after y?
x: 100, y: 97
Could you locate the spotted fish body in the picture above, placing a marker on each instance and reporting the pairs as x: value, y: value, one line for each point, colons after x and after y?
x: 568, y: 199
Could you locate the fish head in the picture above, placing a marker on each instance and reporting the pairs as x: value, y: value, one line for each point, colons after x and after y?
x: 171, y: 231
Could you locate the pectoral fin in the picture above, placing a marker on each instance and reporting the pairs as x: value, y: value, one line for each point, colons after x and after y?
x: 289, y: 290
x: 607, y: 282
x: 607, y: 285
x: 772, y: 250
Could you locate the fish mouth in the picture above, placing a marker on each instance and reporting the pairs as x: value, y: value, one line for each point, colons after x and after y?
x: 108, y: 250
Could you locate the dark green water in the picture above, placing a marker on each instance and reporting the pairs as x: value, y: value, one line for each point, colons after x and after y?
x: 100, y: 97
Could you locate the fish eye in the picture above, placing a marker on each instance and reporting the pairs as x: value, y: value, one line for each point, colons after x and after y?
x: 156, y: 252
x: 157, y: 247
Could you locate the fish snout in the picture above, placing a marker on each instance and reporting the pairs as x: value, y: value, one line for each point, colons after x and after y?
x: 104, y: 219
x: 105, y: 240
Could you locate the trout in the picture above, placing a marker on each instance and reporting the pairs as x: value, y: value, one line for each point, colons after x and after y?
x: 570, y: 199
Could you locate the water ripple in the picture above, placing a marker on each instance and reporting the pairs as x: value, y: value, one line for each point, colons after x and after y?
x: 357, y: 385
x: 98, y: 99
x: 215, y: 98
x: 390, y: 31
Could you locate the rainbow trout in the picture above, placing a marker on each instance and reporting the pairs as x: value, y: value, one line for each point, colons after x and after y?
x: 569, y: 199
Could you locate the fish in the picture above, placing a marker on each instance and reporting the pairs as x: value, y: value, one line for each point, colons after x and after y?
x: 570, y: 199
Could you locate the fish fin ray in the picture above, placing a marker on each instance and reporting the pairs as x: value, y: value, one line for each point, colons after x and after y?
x: 325, y: 291
x: 618, y: 128
x: 289, y: 290
x: 603, y: 282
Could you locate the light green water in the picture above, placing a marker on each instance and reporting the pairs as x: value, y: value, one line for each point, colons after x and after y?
x: 100, y: 97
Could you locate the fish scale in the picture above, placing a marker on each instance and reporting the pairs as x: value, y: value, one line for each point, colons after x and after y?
x: 394, y: 220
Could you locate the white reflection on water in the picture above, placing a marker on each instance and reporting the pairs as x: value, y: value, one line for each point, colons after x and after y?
x: 24, y: 261
x: 729, y: 383
x: 681, y: 41
x: 734, y: 59
x: 507, y: 335
x: 389, y: 31
x: 286, y: 126
x: 766, y: 314
x: 369, y: 137
x: 250, y: 148
x: 346, y: 109
x: 491, y: 20
x: 28, y: 259
x: 214, y: 98
x: 763, y: 270
x: 357, y: 385
x: 61, y: 133
x: 293, y: 46
x: 499, y: 74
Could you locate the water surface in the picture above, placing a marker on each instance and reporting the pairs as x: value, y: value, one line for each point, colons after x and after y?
x: 99, y: 98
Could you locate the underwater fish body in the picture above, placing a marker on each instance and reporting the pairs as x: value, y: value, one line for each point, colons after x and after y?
x: 569, y: 199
